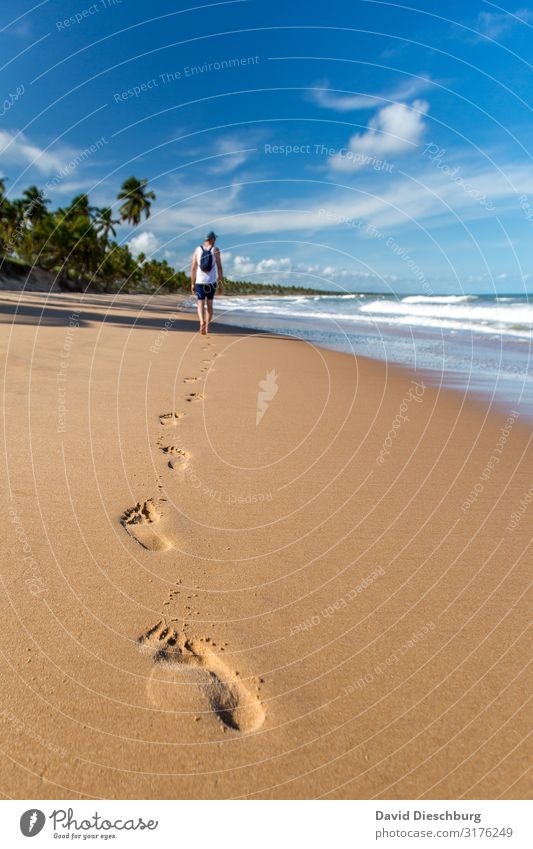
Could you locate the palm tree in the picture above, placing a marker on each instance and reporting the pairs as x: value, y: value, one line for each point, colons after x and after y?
x: 80, y: 206
x: 12, y: 217
x: 34, y: 204
x: 137, y: 201
x: 105, y: 223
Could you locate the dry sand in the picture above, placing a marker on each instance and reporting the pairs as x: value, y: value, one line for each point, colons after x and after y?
x: 198, y: 605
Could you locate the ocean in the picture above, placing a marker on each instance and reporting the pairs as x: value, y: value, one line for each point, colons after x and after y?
x: 477, y: 343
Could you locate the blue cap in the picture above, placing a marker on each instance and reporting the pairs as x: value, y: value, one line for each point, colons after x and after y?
x: 211, y: 236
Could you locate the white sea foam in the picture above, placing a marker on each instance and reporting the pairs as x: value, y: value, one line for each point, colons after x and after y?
x: 467, y: 313
x: 438, y: 299
x: 509, y: 317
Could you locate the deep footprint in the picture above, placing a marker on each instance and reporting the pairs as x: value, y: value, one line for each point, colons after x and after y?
x: 138, y: 521
x: 194, y: 396
x: 171, y: 419
x: 177, y: 456
x: 188, y: 668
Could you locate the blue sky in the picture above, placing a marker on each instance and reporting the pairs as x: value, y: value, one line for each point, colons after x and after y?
x: 345, y: 145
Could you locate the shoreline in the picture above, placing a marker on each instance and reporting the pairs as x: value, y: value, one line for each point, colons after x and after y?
x: 236, y: 598
x: 117, y: 301
x: 480, y: 366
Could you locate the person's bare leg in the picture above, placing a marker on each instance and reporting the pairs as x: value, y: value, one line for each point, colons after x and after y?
x: 209, y: 305
x: 200, y: 308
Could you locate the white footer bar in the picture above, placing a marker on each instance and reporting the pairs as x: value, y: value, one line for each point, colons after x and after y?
x: 269, y: 824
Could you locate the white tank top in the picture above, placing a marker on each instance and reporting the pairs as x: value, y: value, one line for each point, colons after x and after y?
x: 204, y: 277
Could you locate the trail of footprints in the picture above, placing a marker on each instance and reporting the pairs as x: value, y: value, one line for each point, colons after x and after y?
x: 141, y: 521
x: 188, y: 675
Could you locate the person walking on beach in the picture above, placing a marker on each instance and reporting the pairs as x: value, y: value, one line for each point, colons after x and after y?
x: 206, y: 276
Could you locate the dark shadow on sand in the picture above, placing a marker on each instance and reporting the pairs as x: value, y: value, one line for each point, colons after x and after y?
x: 57, y: 311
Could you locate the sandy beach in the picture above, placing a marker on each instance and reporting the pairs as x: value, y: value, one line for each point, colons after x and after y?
x: 244, y: 566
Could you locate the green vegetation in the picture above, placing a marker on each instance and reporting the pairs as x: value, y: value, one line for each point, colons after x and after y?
x: 244, y: 287
x: 77, y: 244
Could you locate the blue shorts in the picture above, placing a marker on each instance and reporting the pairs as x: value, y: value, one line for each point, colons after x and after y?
x: 205, y: 290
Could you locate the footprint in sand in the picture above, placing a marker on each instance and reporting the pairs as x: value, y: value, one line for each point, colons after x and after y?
x: 194, y: 396
x: 190, y: 379
x: 170, y: 419
x: 138, y: 522
x: 177, y: 456
x: 189, y: 675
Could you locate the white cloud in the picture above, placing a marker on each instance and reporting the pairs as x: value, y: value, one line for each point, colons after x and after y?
x: 232, y: 152
x: 144, y: 243
x: 73, y: 187
x: 334, y: 272
x: 395, y: 129
x: 225, y: 154
x: 239, y: 265
x: 200, y: 208
x: 286, y: 271
x: 344, y: 102
x: 307, y: 268
x: 391, y: 205
x: 17, y: 149
x: 267, y: 266
x: 282, y: 270
x: 495, y: 24
x: 242, y: 265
